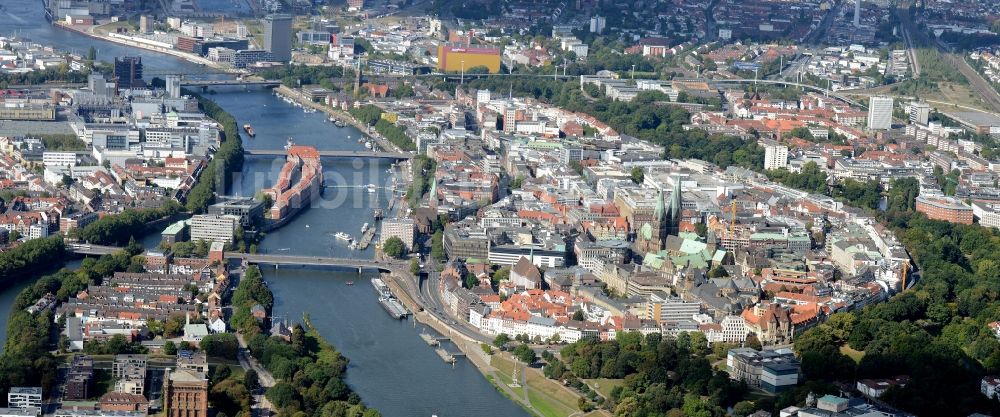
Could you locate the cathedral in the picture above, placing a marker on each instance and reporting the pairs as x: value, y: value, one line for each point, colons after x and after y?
x: 652, y: 227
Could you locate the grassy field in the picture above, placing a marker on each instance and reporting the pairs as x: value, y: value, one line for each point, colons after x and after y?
x: 603, y: 386
x: 851, y: 353
x: 548, y: 397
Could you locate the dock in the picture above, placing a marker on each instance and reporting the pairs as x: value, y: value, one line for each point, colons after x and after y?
x: 430, y: 339
x: 447, y: 357
x: 366, y: 239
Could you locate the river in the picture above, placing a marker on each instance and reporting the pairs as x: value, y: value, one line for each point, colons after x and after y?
x: 391, y: 367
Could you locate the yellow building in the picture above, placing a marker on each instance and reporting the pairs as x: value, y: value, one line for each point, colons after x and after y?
x: 455, y: 58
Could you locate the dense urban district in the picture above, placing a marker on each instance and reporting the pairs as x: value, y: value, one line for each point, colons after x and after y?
x: 609, y: 207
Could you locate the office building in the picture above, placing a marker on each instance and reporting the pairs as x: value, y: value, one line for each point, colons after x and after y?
x: 402, y: 228
x: 462, y: 58
x: 857, y: 13
x: 880, y: 113
x: 214, y: 227
x: 185, y: 393
x: 597, y: 24
x: 248, y: 57
x: 466, y: 241
x: 248, y: 209
x: 771, y: 370
x: 920, y: 112
x: 948, y: 209
x: 79, y: 380
x: 665, y: 308
x: 510, y: 120
x: 20, y: 412
x: 174, y: 86
x: 128, y: 73
x: 145, y: 24
x: 60, y: 159
x: 278, y: 37
x: 482, y: 97
x: 40, y: 112
x: 129, y: 367
x: 24, y: 397
x: 775, y: 155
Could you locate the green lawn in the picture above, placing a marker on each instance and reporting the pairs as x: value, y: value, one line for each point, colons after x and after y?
x: 851, y: 353
x: 547, y: 406
x: 603, y: 386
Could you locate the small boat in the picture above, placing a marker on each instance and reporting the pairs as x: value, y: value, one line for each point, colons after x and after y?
x: 350, y: 282
x: 364, y: 228
x: 249, y: 129
x: 340, y: 123
x: 343, y: 236
x: 368, y: 145
x: 307, y: 226
x: 289, y: 144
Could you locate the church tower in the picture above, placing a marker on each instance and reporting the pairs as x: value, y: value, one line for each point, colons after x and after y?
x: 654, y: 226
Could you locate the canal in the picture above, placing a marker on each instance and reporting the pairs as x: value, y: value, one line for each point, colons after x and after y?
x: 391, y: 367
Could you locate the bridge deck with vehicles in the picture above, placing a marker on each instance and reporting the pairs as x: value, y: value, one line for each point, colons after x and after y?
x: 265, y: 259
x: 334, y: 154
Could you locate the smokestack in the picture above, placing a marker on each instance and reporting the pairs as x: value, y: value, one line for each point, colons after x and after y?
x: 857, y: 13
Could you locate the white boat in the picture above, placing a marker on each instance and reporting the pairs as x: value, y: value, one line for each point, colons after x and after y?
x: 364, y: 228
x: 368, y: 145
x: 307, y: 226
x: 343, y: 236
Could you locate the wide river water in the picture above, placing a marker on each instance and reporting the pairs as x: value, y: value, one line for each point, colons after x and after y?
x: 391, y: 367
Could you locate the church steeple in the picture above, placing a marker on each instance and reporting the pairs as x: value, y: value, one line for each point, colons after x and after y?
x: 675, y: 201
x: 660, y: 209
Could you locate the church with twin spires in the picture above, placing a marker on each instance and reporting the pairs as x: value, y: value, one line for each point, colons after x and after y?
x: 651, y: 228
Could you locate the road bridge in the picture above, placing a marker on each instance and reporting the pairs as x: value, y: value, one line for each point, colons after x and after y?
x: 334, y: 154
x: 267, y: 259
x: 830, y: 93
x: 220, y: 83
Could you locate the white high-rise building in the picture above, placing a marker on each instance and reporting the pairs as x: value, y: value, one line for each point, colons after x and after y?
x: 857, y: 13
x: 173, y: 86
x: 482, y: 96
x: 775, y: 155
x: 880, y: 113
x: 920, y: 112
x: 402, y: 228
x: 597, y: 24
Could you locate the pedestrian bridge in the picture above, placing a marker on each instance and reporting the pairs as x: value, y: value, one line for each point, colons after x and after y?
x: 334, y: 154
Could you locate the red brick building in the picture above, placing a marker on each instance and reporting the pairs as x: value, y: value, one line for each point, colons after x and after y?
x: 945, y: 208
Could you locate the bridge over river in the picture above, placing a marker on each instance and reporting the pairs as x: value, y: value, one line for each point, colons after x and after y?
x: 334, y: 154
x: 265, y: 259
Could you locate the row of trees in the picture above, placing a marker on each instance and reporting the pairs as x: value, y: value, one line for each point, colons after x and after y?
x: 18, y: 263
x: 226, y: 162
x: 120, y: 228
x: 311, y: 376
x: 371, y: 115
x: 251, y: 291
